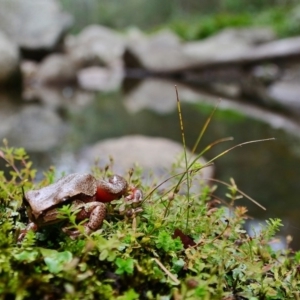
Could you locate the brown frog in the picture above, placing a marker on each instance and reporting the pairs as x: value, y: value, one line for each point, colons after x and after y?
x: 86, y: 195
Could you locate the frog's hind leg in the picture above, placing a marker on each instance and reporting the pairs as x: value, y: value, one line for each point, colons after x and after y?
x: 96, y: 218
x: 95, y: 212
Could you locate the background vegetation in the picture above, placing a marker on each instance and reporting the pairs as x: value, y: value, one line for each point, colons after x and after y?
x: 191, y: 19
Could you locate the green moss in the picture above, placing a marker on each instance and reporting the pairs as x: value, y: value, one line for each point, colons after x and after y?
x: 141, y: 257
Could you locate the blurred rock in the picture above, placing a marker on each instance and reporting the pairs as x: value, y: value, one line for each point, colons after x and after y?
x: 9, y: 58
x: 55, y: 97
x: 285, y: 90
x: 273, y: 50
x: 154, y: 155
x: 242, y: 54
x: 8, y: 113
x: 164, y: 52
x: 34, y: 24
x: 158, y: 95
x: 56, y: 69
x: 95, y: 45
x: 53, y: 82
x: 159, y: 52
x: 28, y: 70
x: 266, y: 73
x: 35, y: 129
x: 287, y: 94
x: 100, y: 78
x: 227, y: 44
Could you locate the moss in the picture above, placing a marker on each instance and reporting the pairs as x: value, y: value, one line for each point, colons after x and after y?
x: 168, y: 251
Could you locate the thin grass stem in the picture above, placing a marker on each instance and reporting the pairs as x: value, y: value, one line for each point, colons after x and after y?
x: 239, y: 145
x: 185, y: 155
x: 201, y: 154
x: 175, y: 280
x: 205, y: 127
x: 242, y: 193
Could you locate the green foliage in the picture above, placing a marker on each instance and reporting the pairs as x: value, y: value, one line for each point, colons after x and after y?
x: 254, y: 5
x: 56, y: 261
x: 283, y: 19
x: 124, y: 266
x: 139, y: 256
x: 204, y: 26
x: 194, y: 19
x: 19, y: 172
x: 273, y: 226
x: 165, y: 242
x: 129, y: 295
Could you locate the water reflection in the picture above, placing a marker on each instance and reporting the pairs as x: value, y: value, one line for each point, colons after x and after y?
x: 158, y: 95
x: 55, y: 125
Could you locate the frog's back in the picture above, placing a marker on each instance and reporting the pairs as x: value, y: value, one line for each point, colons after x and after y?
x: 65, y: 188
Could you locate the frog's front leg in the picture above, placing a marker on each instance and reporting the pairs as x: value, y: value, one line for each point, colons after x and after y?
x: 94, y: 211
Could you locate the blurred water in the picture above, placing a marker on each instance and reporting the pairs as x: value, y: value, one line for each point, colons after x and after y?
x: 53, y: 131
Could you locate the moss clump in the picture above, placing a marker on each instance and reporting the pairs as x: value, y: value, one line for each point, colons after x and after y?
x: 178, y: 247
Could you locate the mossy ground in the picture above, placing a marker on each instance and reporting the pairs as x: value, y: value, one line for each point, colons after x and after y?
x: 181, y: 246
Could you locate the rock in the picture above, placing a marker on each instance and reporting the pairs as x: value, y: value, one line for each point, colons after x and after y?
x: 273, y: 50
x: 56, y: 69
x: 32, y: 127
x: 241, y: 53
x: 285, y: 90
x: 28, y: 70
x: 59, y: 97
x: 34, y: 24
x: 95, y: 45
x: 154, y: 155
x: 287, y: 94
x: 227, y: 44
x: 159, y: 52
x: 100, y: 78
x: 163, y: 52
x: 266, y: 73
x: 35, y: 129
x: 8, y: 113
x: 9, y: 58
x: 249, y: 35
x: 158, y: 95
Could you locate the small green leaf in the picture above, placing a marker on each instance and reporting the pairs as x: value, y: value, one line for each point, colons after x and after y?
x: 124, y: 265
x: 26, y: 256
x: 111, y: 256
x: 129, y: 295
x: 103, y: 255
x: 177, y: 264
x: 56, y: 261
x: 297, y: 256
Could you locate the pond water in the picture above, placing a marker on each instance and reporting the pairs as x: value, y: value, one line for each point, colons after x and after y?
x: 268, y: 171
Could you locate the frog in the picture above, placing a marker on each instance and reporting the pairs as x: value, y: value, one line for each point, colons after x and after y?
x: 87, y: 197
